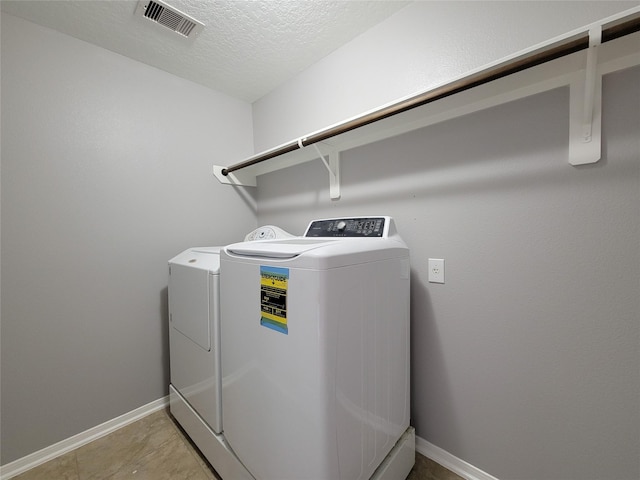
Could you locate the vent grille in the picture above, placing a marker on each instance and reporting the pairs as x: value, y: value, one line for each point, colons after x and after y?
x: 169, y: 17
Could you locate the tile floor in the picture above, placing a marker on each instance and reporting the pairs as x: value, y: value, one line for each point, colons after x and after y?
x: 155, y: 448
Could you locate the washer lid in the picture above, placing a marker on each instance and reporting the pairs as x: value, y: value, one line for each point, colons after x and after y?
x: 277, y: 249
x: 319, y: 253
x: 204, y: 258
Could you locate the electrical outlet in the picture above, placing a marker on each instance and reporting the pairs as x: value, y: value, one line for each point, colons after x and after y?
x: 436, y: 270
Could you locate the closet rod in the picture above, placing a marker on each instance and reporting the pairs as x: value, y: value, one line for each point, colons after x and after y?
x: 566, y: 46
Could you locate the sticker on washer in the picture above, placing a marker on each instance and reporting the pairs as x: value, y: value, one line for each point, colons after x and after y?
x: 273, y: 298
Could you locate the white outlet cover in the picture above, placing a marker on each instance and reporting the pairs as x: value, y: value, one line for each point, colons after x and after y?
x: 436, y: 270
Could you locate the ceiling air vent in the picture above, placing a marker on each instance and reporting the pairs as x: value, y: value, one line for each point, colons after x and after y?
x: 169, y: 17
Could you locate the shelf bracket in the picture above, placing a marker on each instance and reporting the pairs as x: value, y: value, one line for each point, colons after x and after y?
x: 585, y: 127
x: 333, y: 166
x: 238, y: 178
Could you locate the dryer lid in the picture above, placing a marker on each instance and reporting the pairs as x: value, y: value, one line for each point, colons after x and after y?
x: 203, y: 258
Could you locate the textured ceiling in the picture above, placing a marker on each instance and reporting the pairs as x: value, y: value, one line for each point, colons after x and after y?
x: 246, y: 49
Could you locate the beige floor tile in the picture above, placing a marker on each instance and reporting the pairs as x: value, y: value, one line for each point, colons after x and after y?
x: 104, y: 457
x: 209, y: 471
x: 156, y: 448
x: 61, y: 468
x: 427, y: 469
x: 171, y: 461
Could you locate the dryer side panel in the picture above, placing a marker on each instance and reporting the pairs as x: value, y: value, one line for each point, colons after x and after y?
x: 189, y: 303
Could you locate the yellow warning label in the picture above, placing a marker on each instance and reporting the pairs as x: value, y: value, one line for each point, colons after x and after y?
x: 273, y: 298
x: 273, y: 281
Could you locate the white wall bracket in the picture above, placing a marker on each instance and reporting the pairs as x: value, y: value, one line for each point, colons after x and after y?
x: 248, y: 177
x: 333, y: 166
x: 239, y: 178
x: 585, y: 127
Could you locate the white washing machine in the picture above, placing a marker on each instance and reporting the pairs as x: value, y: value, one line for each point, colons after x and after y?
x: 315, y: 355
x: 194, y: 350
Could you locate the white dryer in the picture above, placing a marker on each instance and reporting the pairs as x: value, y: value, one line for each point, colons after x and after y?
x: 194, y: 340
x: 315, y: 356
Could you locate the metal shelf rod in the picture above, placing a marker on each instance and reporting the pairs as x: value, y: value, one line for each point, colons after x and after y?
x: 565, y: 46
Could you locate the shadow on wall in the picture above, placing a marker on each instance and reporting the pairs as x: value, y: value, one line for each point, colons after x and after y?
x: 501, y: 149
x: 438, y: 161
x: 430, y: 383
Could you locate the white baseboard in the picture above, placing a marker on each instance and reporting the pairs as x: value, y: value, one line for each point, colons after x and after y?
x: 32, y: 460
x: 453, y: 463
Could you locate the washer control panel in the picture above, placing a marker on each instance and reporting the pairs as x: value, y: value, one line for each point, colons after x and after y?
x: 347, y: 227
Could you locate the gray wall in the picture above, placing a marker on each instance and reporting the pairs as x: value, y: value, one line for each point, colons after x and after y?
x: 106, y: 174
x: 526, y: 362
